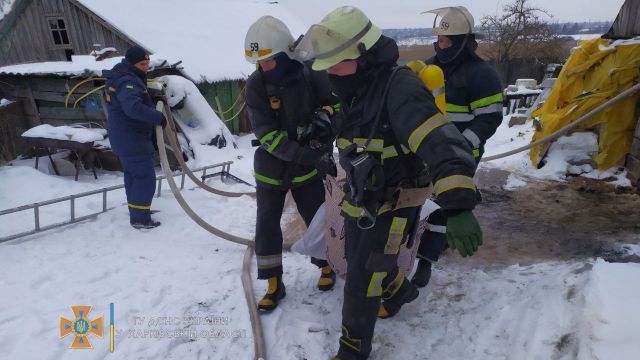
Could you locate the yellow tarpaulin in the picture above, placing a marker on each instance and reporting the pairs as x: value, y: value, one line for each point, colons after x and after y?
x: 594, y: 73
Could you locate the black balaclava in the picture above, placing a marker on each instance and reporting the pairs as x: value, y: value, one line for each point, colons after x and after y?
x: 285, y: 72
x: 345, y: 86
x: 383, y: 53
x: 452, y: 52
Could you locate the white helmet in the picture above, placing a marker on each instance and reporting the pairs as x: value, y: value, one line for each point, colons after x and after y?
x: 454, y: 20
x: 344, y: 34
x: 266, y: 37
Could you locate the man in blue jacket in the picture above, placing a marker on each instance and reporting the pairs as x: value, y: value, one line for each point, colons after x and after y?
x: 131, y: 118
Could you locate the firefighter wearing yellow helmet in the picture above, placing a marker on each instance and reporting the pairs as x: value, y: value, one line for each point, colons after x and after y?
x: 473, y: 96
x: 390, y: 132
x: 285, y: 101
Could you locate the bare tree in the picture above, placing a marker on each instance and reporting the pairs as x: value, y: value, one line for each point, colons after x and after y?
x: 520, y: 33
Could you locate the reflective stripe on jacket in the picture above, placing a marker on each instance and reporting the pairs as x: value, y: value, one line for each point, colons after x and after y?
x: 474, y: 97
x: 412, y: 133
x: 278, y: 114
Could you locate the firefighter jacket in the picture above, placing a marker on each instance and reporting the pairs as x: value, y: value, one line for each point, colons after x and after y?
x: 474, y: 97
x: 411, y: 134
x: 279, y: 115
x: 131, y: 115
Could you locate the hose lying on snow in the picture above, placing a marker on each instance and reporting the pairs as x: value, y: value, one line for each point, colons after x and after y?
x: 171, y: 135
x: 256, y: 325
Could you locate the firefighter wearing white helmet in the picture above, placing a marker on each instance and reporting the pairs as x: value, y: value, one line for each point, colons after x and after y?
x: 473, y: 96
x: 391, y: 128
x: 285, y: 102
x: 267, y: 37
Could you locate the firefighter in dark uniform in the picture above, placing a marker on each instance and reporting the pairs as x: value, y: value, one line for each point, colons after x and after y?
x: 391, y: 131
x: 473, y: 103
x: 290, y: 111
x: 131, y: 119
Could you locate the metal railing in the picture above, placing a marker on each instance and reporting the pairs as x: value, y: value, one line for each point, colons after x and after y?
x: 513, y: 102
x: 224, y: 173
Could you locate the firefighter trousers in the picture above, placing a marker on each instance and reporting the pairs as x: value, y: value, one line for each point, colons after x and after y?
x: 372, y: 275
x: 308, y: 198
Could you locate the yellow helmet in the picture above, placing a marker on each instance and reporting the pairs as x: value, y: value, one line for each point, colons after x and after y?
x: 344, y: 34
x: 266, y: 37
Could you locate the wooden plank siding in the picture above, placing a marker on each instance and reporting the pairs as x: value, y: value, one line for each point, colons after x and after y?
x: 633, y: 159
x: 627, y: 23
x: 13, y: 123
x: 30, y: 21
x: 99, y: 30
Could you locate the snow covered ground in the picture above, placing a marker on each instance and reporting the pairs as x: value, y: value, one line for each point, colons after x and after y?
x: 177, y: 294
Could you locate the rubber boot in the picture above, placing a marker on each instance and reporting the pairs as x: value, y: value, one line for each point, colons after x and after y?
x: 423, y: 274
x: 275, y: 293
x: 406, y: 294
x: 146, y: 224
x: 327, y: 279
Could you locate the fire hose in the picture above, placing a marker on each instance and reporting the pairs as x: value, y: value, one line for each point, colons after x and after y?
x: 256, y: 325
x: 560, y: 132
x: 171, y: 135
x: 259, y: 344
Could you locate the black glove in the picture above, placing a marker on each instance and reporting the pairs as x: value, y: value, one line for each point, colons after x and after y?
x: 321, y: 127
x: 324, y: 162
x: 156, y: 95
x: 326, y: 165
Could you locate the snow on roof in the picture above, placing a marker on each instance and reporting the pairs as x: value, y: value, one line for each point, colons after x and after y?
x: 208, y: 36
x: 79, y: 64
x: 5, y: 7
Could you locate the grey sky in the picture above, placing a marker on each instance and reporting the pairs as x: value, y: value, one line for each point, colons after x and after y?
x: 406, y: 13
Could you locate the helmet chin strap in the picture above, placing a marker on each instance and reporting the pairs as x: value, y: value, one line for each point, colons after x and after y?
x: 466, y: 36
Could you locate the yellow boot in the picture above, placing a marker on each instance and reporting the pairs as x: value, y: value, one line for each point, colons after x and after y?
x: 390, y: 307
x: 382, y: 312
x: 275, y: 293
x: 327, y: 279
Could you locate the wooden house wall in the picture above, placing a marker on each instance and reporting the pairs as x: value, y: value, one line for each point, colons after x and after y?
x: 633, y: 159
x: 40, y: 100
x: 12, y: 124
x: 30, y: 39
x: 627, y: 23
x: 43, y: 99
x: 230, y: 94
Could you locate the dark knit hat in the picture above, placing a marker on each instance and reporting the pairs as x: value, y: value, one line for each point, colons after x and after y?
x: 135, y: 54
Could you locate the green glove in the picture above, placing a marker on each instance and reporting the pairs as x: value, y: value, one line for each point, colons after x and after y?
x: 464, y: 233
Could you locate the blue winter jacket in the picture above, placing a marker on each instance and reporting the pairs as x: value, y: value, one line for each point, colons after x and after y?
x: 474, y: 97
x: 131, y: 115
